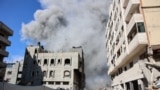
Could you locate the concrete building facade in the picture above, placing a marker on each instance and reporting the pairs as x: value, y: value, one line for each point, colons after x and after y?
x: 63, y: 70
x: 5, y: 32
x: 132, y: 44
x: 13, y: 72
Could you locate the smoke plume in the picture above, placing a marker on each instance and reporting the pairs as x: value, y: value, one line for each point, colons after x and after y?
x: 62, y: 24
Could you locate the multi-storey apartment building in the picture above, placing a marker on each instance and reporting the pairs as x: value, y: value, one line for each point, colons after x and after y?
x: 63, y: 70
x: 5, y: 32
x: 132, y: 46
x: 13, y: 72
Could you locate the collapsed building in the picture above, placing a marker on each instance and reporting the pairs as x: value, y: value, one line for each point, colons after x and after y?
x: 62, y: 70
x: 133, y: 45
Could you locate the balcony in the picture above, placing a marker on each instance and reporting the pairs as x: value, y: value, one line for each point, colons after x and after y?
x: 6, y: 29
x: 135, y: 18
x: 137, y: 44
x: 131, y: 74
x: 5, y: 41
x: 130, y: 9
x: 3, y: 53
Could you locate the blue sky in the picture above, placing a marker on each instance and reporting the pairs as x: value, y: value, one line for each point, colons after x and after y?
x: 13, y: 13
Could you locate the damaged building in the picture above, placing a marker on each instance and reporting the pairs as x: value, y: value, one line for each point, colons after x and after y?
x: 133, y: 44
x: 5, y: 32
x: 61, y: 70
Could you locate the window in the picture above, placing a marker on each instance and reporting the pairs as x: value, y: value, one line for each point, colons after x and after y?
x: 35, y: 51
x: 52, y: 61
x: 44, y: 74
x: 67, y: 73
x: 59, y: 61
x: 39, y: 61
x: 67, y: 62
x: 44, y: 82
x: 65, y: 83
x: 9, y: 72
x: 34, y: 62
x: 58, y: 83
x: 131, y: 64
x: 51, y: 74
x: 32, y: 74
x: 140, y: 27
x: 51, y: 83
x: 45, y: 61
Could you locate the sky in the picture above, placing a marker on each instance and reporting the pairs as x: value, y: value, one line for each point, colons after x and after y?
x: 13, y: 13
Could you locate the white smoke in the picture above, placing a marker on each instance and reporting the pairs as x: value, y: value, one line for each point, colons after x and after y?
x: 66, y: 23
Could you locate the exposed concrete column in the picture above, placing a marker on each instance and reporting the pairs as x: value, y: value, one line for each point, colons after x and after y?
x: 140, y: 83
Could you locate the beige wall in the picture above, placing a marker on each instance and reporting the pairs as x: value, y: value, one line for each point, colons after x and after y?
x: 152, y: 18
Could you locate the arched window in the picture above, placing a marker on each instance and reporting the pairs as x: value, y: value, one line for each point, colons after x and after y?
x: 45, y: 61
x: 67, y: 62
x: 51, y: 74
x: 44, y: 74
x: 35, y: 51
x: 67, y: 73
x: 52, y: 61
x: 59, y: 61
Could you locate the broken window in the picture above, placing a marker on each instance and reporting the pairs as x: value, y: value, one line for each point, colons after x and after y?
x: 58, y: 83
x: 39, y: 61
x: 59, y: 61
x: 45, y: 61
x: 51, y: 82
x: 9, y: 72
x: 67, y: 62
x: 51, y: 74
x: 52, y: 61
x: 67, y: 73
x: 35, y: 51
x: 65, y: 83
x: 44, y: 74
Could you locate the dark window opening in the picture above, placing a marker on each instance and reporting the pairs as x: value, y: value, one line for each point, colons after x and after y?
x: 127, y: 86
x: 67, y: 61
x: 132, y: 33
x: 65, y: 83
x: 51, y: 74
x: 43, y: 82
x: 35, y: 51
x: 59, y: 61
x: 131, y: 64
x: 9, y: 72
x: 33, y: 74
x: 45, y: 61
x: 44, y: 73
x: 58, y: 83
x: 34, y: 62
x: 39, y: 61
x: 135, y: 85
x: 51, y: 83
x: 52, y: 61
x: 140, y: 27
